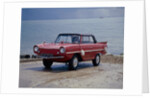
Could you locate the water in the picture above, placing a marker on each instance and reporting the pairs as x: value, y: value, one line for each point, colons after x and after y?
x: 104, y: 29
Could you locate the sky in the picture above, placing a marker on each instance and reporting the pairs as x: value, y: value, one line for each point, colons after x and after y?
x: 70, y: 13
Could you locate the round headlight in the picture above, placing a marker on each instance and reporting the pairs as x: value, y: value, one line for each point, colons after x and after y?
x: 62, y: 50
x: 36, y: 49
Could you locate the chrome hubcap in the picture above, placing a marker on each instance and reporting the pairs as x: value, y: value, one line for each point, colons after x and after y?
x: 97, y: 59
x: 75, y: 62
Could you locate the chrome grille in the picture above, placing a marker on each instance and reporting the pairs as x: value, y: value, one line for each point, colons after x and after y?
x: 46, y: 55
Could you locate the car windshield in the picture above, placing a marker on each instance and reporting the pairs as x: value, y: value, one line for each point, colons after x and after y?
x: 68, y: 39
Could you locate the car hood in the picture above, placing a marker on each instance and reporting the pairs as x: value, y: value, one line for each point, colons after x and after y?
x: 53, y: 45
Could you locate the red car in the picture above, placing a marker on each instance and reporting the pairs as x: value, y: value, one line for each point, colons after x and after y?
x: 71, y: 48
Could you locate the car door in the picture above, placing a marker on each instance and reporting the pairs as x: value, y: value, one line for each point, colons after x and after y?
x: 86, y: 47
x: 93, y: 47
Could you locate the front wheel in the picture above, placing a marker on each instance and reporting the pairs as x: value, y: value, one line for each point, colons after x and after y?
x: 96, y: 61
x: 73, y: 63
x: 47, y: 63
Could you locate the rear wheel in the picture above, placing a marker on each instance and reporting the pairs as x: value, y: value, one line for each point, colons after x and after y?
x: 73, y: 63
x: 47, y: 63
x: 96, y: 61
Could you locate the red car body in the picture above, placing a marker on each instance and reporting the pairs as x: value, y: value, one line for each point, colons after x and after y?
x: 86, y: 50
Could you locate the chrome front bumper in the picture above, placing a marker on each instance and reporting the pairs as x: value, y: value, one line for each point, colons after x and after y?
x: 49, y: 56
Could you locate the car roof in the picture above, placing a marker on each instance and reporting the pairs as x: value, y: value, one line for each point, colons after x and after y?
x: 75, y: 34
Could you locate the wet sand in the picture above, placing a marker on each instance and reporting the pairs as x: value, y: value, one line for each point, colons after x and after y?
x: 106, y: 75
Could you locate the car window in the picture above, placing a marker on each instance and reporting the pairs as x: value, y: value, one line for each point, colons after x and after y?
x: 75, y: 39
x: 65, y: 39
x: 87, y: 39
x: 68, y: 39
x: 91, y: 39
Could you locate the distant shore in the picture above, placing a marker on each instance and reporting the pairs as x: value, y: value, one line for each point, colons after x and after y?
x: 109, y: 58
x: 114, y: 59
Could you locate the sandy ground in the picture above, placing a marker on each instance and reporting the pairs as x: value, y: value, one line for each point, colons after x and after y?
x: 106, y: 75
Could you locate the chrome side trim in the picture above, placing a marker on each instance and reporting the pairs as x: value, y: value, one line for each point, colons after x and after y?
x: 73, y: 52
x: 94, y: 50
x: 85, y: 51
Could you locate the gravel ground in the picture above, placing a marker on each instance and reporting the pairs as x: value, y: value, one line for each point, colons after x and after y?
x: 106, y: 75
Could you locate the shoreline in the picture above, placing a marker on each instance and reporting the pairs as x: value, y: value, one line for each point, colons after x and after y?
x: 106, y: 75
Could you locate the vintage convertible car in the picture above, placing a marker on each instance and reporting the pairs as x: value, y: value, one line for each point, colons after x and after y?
x: 71, y: 48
